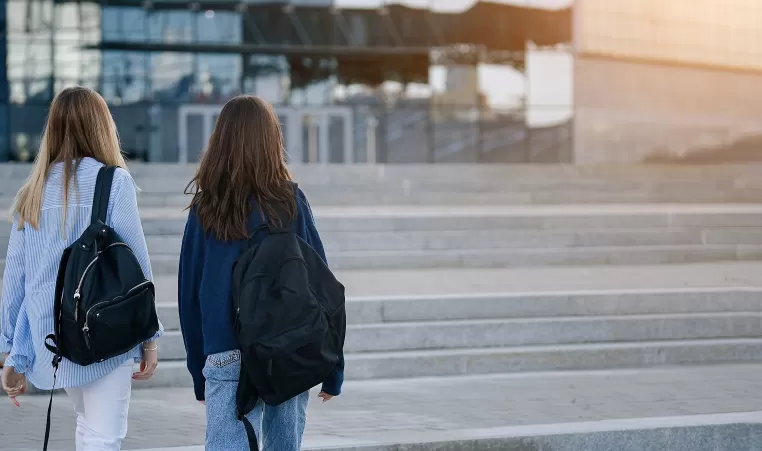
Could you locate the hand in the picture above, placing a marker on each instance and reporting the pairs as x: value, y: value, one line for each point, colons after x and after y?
x: 14, y: 383
x: 149, y: 363
x: 203, y: 402
x: 326, y: 397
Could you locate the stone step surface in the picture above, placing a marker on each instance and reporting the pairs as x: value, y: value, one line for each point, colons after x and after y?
x: 166, y: 264
x: 517, y: 258
x: 454, y: 294
x: 159, y: 220
x: 414, y: 336
x: 162, y: 185
x: 504, y: 239
x: 374, y: 310
x: 360, y: 230
x: 384, y: 365
x: 464, y: 362
x: 554, y: 280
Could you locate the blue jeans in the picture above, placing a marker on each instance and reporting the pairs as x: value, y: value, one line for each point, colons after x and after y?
x: 279, y: 428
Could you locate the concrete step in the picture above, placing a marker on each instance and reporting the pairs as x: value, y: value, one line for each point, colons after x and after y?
x: 487, y: 306
x: 543, y: 358
x: 458, y: 362
x: 386, y: 195
x: 165, y: 221
x: 580, y: 218
x: 507, y: 258
x: 169, y: 221
x: 391, y: 196
x: 504, y: 239
x: 470, y: 184
x: 461, y: 173
x: 524, y: 331
x: 166, y: 264
x: 488, y: 238
x: 514, y: 258
x: 494, y: 333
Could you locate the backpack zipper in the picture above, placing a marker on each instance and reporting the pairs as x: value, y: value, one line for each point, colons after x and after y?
x: 77, y: 292
x: 86, y: 328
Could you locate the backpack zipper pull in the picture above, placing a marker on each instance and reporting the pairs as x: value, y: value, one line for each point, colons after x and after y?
x: 77, y: 297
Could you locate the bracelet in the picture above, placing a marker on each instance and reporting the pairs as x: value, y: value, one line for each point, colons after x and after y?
x: 151, y: 349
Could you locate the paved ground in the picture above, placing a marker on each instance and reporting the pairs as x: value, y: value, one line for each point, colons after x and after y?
x: 379, y: 411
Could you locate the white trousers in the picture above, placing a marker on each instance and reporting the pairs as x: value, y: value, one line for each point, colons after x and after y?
x: 101, y: 408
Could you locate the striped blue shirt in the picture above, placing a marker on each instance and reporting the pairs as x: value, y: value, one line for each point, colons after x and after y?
x: 31, y: 267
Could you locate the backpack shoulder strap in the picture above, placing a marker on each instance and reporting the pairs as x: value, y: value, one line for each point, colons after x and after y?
x: 282, y: 215
x: 280, y: 210
x: 102, y: 194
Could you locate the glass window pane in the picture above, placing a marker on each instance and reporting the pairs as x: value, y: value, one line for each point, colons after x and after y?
x: 124, y: 23
x: 125, y: 77
x: 218, y: 77
x: 172, y: 76
x: 219, y: 27
x: 170, y: 26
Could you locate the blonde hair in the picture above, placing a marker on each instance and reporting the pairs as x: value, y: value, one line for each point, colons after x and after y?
x: 79, y: 125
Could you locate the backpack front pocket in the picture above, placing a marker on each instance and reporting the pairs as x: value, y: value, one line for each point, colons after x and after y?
x: 111, y: 327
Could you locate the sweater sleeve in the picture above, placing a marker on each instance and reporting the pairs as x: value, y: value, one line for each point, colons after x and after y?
x: 308, y: 231
x: 188, y: 283
x: 124, y: 218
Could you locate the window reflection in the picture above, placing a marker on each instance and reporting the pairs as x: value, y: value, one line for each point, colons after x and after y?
x: 124, y: 24
x: 124, y: 77
x: 218, y: 76
x: 172, y: 76
x: 267, y: 77
x: 171, y: 26
x: 218, y: 27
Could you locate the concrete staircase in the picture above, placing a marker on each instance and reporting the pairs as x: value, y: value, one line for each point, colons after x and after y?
x: 440, y: 226
x: 517, y: 236
x: 456, y: 335
x: 456, y: 184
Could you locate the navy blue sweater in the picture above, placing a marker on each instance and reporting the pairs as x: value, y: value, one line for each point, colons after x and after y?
x: 204, y: 292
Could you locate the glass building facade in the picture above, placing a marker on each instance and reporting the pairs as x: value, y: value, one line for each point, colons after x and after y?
x: 51, y: 44
x: 166, y: 66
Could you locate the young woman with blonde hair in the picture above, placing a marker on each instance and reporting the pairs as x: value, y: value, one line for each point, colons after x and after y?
x: 51, y: 211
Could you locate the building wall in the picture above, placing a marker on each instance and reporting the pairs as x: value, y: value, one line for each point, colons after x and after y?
x: 655, y: 78
x: 724, y: 33
x: 628, y: 111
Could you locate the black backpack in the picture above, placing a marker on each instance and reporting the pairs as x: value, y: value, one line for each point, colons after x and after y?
x: 104, y: 305
x: 290, y: 319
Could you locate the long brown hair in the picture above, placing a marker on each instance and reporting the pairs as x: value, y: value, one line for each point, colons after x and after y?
x: 79, y: 125
x: 244, y: 161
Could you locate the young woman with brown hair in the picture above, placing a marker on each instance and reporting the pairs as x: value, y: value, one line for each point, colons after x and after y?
x: 241, y: 182
x: 51, y: 211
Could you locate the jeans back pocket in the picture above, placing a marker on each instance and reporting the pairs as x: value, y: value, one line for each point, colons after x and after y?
x: 223, y: 366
